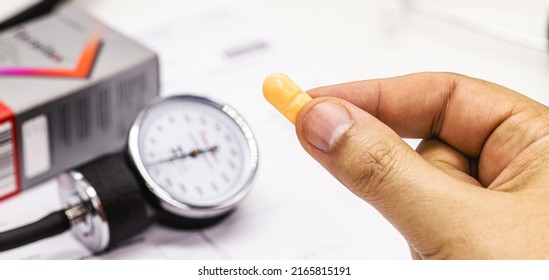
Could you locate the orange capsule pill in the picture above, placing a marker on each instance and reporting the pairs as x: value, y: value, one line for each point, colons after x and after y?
x: 285, y: 95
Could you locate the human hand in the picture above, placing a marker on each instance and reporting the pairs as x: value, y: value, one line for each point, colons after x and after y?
x: 477, y: 187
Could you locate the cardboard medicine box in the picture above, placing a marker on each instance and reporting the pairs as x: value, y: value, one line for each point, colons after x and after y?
x: 70, y: 88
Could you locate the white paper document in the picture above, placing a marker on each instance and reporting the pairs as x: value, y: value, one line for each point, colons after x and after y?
x: 223, y: 50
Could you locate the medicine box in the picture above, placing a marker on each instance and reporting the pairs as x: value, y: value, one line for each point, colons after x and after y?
x: 70, y: 88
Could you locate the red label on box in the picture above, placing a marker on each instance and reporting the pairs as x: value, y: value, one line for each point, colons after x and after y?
x: 10, y: 182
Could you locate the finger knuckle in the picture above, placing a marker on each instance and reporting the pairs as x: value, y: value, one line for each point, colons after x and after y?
x: 376, y: 167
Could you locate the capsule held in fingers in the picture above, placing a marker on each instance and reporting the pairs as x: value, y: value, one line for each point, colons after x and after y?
x: 285, y: 95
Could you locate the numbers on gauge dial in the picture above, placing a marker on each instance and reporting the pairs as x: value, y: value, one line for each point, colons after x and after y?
x: 194, y: 155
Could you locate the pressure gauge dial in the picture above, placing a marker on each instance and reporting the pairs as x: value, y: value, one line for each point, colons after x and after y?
x: 189, y: 162
x: 197, y: 157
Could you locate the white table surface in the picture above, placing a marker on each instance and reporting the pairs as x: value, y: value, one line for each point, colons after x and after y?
x: 363, y: 39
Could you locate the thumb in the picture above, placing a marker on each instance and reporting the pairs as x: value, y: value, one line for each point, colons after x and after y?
x: 374, y: 163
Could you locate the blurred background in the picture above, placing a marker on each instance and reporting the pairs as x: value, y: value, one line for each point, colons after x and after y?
x: 375, y: 38
x: 379, y: 38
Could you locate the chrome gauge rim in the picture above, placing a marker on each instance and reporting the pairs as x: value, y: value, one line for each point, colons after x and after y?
x: 169, y: 202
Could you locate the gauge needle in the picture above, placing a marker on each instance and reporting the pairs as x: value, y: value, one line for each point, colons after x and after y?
x: 194, y: 153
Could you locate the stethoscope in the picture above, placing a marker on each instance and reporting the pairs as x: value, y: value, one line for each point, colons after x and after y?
x: 188, y: 163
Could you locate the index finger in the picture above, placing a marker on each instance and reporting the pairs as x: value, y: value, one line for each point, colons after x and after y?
x: 459, y: 110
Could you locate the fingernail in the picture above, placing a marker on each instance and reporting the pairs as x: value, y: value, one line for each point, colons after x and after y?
x: 324, y: 124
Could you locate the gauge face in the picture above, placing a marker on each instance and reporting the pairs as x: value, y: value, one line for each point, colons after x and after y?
x: 194, y: 153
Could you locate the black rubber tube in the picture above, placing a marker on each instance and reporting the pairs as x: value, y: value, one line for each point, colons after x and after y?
x: 53, y: 224
x: 41, y: 8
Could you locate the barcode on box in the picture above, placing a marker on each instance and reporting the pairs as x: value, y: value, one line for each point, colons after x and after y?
x: 8, y: 183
